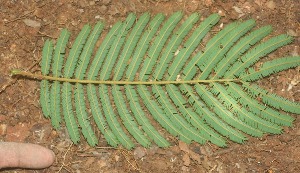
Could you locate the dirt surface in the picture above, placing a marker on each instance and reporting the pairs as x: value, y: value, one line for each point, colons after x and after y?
x: 24, y: 26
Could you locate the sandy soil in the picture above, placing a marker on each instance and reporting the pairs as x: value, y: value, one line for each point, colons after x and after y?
x: 24, y: 26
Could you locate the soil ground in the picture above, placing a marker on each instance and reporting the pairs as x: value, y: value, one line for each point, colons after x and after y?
x: 24, y: 26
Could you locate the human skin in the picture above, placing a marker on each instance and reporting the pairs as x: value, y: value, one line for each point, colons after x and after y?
x: 24, y: 155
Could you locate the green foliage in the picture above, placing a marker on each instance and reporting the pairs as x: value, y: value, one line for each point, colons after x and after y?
x: 58, y: 58
x: 45, y: 67
x: 222, y: 105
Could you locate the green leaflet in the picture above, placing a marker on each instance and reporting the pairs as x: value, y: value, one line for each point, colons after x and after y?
x: 193, y: 118
x: 187, y: 129
x: 57, y: 63
x: 242, y: 113
x: 271, y: 67
x: 46, y: 57
x: 99, y: 118
x: 45, y: 98
x: 59, y: 52
x: 112, y: 119
x: 142, y: 119
x: 103, y: 50
x: 45, y: 67
x: 224, y: 113
x: 149, y: 73
x: 116, y: 47
x: 91, y: 89
x: 175, y: 40
x: 252, y: 56
x: 272, y: 99
x: 82, y: 64
x: 241, y: 47
x: 75, y: 51
x: 258, y: 109
x: 158, y: 43
x: 127, y: 118
x: 211, y: 119
x: 165, y: 120
x: 82, y: 116
x: 143, y: 45
x: 130, y: 45
x: 191, y: 44
x: 105, y: 73
x: 68, y: 112
x: 86, y: 54
x: 218, y: 52
x: 213, y: 44
x: 69, y: 69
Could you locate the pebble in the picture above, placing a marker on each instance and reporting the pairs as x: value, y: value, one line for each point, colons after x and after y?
x: 185, y: 169
x: 271, y: 5
x: 92, y: 3
x: 32, y: 23
x: 285, y: 138
x: 292, y: 33
x: 103, y: 9
x: 106, y: 2
x: 101, y: 163
x: 183, y: 146
x: 3, y: 128
x: 186, y: 160
x: 139, y: 152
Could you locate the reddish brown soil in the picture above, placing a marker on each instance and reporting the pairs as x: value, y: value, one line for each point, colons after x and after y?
x: 21, y: 118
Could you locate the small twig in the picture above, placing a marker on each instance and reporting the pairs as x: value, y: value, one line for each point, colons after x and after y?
x: 43, y: 34
x: 8, y: 85
x: 19, y: 18
x: 64, y: 158
x: 130, y: 163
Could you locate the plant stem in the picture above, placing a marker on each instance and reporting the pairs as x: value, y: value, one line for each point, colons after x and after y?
x: 42, y: 77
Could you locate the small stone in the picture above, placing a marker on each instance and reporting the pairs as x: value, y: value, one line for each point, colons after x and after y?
x: 62, y: 18
x: 103, y: 9
x: 221, y: 13
x: 117, y: 158
x: 113, y: 11
x: 285, y: 138
x: 83, y: 3
x: 208, y: 3
x: 32, y: 23
x: 194, y: 156
x: 2, y: 80
x: 80, y: 10
x: 139, y: 152
x: 76, y: 166
x: 92, y: 3
x: 152, y: 150
x: 239, y: 11
x: 186, y: 160
x: 292, y: 33
x: 75, y: 23
x: 3, y: 128
x: 106, y: 2
x: 271, y: 5
x: 183, y: 146
x: 13, y: 48
x: 185, y: 169
x: 101, y: 163
x: 89, y: 161
x: 258, y: 2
